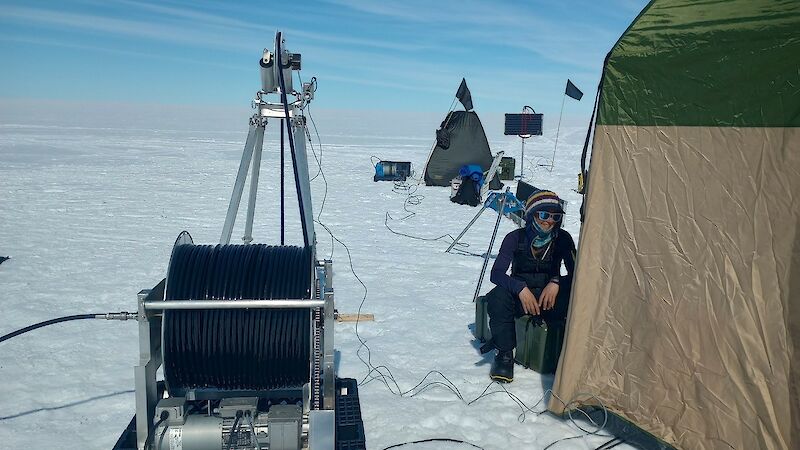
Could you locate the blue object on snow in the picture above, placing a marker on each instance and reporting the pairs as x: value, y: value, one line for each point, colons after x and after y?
x: 392, y: 171
x: 473, y: 171
x: 512, y: 203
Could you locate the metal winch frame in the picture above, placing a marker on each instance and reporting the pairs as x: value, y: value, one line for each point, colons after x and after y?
x: 318, y: 395
x: 282, y: 426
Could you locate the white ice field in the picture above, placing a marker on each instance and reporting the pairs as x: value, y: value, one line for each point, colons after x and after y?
x: 93, y: 197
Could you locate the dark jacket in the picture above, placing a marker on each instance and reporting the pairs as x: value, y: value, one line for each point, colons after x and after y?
x: 531, y: 271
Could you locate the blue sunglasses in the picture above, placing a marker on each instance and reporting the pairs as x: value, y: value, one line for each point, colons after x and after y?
x: 544, y: 215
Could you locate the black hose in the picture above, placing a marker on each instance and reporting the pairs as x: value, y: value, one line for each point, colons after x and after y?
x: 150, y: 436
x: 49, y: 322
x: 256, y: 349
x: 285, y: 101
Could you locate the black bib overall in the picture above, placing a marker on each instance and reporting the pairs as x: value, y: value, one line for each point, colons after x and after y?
x: 533, y: 271
x: 536, y: 272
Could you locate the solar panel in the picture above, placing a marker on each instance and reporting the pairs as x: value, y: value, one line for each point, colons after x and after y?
x: 524, y: 190
x: 523, y: 124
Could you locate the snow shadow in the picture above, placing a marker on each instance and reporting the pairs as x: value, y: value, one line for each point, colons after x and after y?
x: 67, y: 405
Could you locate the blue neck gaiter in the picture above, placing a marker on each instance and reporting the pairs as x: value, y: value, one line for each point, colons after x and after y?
x: 536, y: 235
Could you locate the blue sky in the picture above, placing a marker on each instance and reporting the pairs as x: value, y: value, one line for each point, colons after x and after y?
x: 378, y: 55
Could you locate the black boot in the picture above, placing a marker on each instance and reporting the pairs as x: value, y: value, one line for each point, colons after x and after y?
x: 503, y: 367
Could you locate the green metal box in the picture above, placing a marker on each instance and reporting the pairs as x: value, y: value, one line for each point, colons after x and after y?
x: 482, y: 332
x: 538, y: 343
x: 507, y: 167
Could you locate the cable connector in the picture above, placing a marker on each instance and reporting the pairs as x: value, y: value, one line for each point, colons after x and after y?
x: 124, y: 315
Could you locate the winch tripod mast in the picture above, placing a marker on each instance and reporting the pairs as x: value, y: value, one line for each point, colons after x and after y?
x: 275, y: 81
x: 245, y: 333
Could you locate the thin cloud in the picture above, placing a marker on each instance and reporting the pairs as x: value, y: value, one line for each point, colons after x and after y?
x: 117, y: 51
x: 461, y: 11
x: 202, y: 20
x: 192, y: 16
x: 115, y: 26
x: 496, y: 23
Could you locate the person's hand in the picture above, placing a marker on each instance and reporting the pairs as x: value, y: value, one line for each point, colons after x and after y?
x: 529, y: 303
x: 548, y: 298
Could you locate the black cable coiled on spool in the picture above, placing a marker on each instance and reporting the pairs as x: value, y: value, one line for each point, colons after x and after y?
x: 237, y: 349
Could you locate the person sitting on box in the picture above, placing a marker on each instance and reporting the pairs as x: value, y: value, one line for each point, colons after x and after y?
x: 535, y: 286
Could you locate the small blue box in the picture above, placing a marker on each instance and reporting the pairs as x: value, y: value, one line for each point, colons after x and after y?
x: 392, y: 171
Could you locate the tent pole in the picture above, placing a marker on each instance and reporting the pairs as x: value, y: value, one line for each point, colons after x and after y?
x: 553, y: 161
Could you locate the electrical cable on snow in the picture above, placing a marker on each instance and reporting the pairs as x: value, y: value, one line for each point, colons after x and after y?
x: 334, y: 239
x: 611, y: 444
x: 586, y: 433
x: 403, y: 187
x: 384, y: 374
x: 444, y: 236
x: 363, y: 345
x: 412, y: 199
x: 422, y: 441
x: 415, y: 200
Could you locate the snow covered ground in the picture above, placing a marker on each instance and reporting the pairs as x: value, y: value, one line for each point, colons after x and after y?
x: 91, y: 201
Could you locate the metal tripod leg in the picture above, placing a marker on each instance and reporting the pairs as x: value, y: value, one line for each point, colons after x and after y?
x: 491, y: 244
x: 238, y: 187
x: 251, y: 204
x: 464, y: 231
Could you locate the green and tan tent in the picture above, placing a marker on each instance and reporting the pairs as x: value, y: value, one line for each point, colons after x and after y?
x: 685, y: 313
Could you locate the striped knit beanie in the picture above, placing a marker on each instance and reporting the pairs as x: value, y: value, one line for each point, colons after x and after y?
x: 542, y: 201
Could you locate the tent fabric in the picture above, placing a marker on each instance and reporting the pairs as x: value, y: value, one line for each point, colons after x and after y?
x: 737, y: 61
x: 685, y: 308
x: 460, y: 141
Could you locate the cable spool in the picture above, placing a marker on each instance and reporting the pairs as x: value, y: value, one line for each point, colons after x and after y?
x: 256, y: 349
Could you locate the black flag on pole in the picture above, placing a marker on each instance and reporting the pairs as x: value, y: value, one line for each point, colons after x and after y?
x: 572, y: 91
x: 463, y: 95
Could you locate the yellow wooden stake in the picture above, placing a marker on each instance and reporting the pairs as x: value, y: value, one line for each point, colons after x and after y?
x: 355, y: 317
